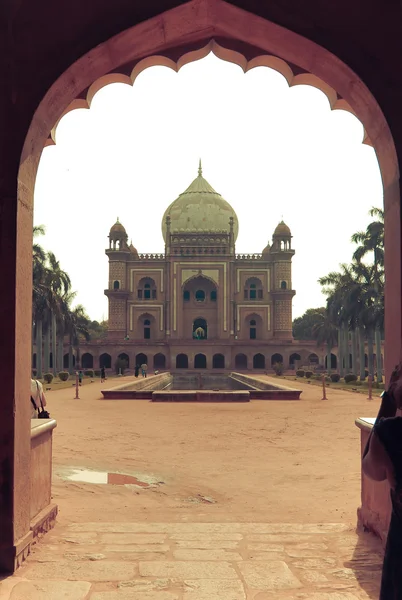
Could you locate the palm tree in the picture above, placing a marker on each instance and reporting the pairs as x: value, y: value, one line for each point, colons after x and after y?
x: 60, y: 284
x: 370, y: 242
x: 38, y: 302
x: 325, y: 332
x: 76, y: 326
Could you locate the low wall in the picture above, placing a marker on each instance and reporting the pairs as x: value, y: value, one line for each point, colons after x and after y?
x: 42, y: 510
x: 201, y: 396
x: 375, y: 511
x: 263, y: 390
x: 138, y: 388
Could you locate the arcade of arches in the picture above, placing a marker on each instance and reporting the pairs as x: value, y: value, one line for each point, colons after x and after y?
x: 41, y: 84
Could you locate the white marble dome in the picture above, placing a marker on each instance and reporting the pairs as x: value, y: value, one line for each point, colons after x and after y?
x: 200, y: 209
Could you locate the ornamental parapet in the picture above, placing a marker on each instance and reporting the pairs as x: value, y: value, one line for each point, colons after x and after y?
x: 151, y: 256
x: 248, y: 256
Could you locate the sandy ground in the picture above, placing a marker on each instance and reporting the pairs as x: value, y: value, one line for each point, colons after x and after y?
x: 263, y: 461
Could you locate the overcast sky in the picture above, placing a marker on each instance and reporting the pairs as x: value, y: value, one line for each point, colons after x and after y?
x: 271, y: 151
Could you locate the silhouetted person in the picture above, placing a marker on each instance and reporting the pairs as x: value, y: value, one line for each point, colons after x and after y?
x: 136, y: 370
x: 103, y: 374
x: 382, y: 460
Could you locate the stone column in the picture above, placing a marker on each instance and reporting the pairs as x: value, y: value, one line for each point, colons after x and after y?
x: 15, y: 367
x: 393, y: 288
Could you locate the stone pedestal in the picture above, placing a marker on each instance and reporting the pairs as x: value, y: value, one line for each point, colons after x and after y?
x: 375, y: 511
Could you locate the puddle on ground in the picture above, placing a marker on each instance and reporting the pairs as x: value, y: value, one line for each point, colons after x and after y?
x: 106, y: 478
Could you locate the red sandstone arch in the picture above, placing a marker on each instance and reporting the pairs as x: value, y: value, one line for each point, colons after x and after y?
x: 198, y: 27
x: 191, y: 24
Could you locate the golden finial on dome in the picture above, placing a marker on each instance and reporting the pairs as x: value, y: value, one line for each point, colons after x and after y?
x: 199, y: 169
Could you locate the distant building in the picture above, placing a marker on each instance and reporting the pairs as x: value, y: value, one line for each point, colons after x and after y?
x: 199, y: 305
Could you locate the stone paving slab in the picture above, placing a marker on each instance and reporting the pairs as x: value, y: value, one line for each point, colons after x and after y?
x: 200, y: 561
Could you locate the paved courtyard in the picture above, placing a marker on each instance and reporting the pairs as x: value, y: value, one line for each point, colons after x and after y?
x: 250, y: 502
x: 199, y: 561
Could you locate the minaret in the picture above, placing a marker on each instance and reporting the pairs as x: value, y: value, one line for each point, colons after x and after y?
x: 281, y: 286
x: 118, y: 288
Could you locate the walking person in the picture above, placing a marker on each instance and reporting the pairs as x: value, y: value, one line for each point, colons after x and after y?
x: 103, y: 374
x: 80, y: 376
x: 136, y: 370
x: 38, y: 400
x: 144, y: 368
x: 382, y: 460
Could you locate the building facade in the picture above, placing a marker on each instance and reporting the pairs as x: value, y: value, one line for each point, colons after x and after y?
x: 198, y: 305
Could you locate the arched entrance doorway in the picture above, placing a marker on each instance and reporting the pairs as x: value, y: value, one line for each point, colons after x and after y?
x: 159, y: 361
x: 87, y: 361
x: 218, y: 361
x: 184, y: 24
x: 123, y: 356
x: 105, y: 360
x: 182, y: 361
x: 240, y: 361
x: 258, y: 361
x: 141, y: 359
x: 200, y: 361
x: 276, y: 358
x: 293, y: 359
x: 200, y: 329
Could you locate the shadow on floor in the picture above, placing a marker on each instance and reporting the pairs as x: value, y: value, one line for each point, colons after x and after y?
x: 366, y: 563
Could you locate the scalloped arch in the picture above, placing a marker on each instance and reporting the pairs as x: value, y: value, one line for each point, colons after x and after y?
x: 226, y: 54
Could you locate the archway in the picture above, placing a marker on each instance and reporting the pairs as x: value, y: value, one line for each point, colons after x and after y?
x: 159, y: 361
x: 313, y: 359
x: 87, y: 361
x: 218, y: 361
x: 276, y: 358
x: 105, y: 360
x: 236, y: 24
x: 240, y: 361
x: 200, y: 329
x: 124, y: 356
x: 200, y: 361
x: 258, y: 361
x: 334, y: 361
x: 182, y: 361
x: 293, y: 358
x: 66, y: 361
x: 141, y: 359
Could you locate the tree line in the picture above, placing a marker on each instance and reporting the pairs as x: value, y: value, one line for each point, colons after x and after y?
x: 354, y: 311
x: 54, y: 320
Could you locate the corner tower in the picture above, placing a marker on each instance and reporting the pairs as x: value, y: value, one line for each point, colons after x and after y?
x: 118, y: 288
x: 282, y: 293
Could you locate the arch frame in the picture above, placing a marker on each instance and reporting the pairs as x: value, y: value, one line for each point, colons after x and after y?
x: 193, y: 21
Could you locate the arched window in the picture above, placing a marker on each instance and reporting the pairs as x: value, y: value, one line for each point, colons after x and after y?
x: 146, y: 289
x: 186, y: 296
x: 253, y: 329
x: 200, y: 295
x: 283, y: 285
x: 147, y: 329
x: 213, y: 295
x: 253, y: 289
x: 116, y: 285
